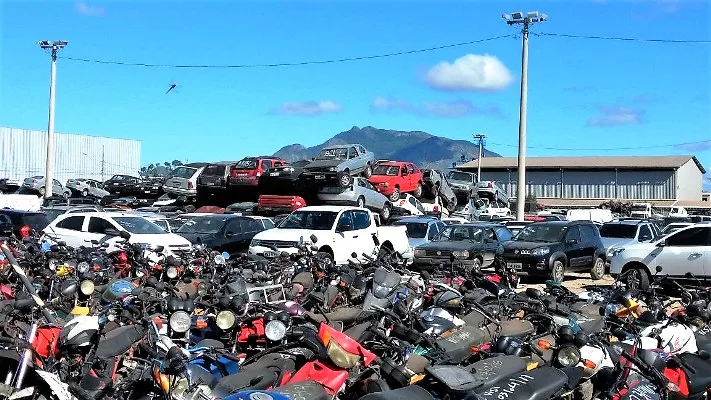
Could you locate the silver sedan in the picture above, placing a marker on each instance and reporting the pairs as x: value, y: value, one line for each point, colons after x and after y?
x: 360, y: 193
x: 87, y: 187
x: 36, y: 184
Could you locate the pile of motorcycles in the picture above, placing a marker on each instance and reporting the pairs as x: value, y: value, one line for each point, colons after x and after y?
x: 82, y: 323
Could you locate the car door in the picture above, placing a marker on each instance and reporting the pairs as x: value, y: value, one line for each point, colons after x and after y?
x: 491, y: 243
x: 234, y: 235
x: 589, y: 242
x: 412, y: 177
x: 574, y: 247
x: 686, y: 250
x: 57, y: 187
x: 363, y: 231
x: 353, y: 163
x: 373, y: 198
x: 346, y: 233
x: 69, y: 229
x: 96, y: 230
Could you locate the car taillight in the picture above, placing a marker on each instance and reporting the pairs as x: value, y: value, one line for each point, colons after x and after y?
x: 190, y: 185
x: 436, y: 209
x: 34, y: 181
x: 25, y: 231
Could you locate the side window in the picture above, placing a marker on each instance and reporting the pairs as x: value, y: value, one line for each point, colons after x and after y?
x: 72, y: 223
x: 361, y: 220
x: 251, y: 225
x: 573, y: 234
x: 441, y: 225
x: 361, y: 149
x: 56, y: 182
x: 690, y: 237
x: 434, y: 230
x: 368, y: 185
x: 268, y: 224
x: 403, y: 171
x: 266, y: 164
x: 98, y: 225
x: 413, y: 202
x: 233, y: 226
x: 4, y: 219
x: 345, y: 222
x: 419, y: 206
x: 645, y: 233
x: 490, y: 234
x: 503, y: 234
x: 587, y: 233
x: 278, y: 163
x: 91, y: 183
x: 410, y: 168
x: 352, y: 152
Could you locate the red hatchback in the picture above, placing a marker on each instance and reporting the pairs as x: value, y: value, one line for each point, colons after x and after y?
x: 247, y: 171
x: 392, y: 178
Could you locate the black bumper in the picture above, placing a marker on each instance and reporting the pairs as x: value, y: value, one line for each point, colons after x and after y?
x: 533, y: 265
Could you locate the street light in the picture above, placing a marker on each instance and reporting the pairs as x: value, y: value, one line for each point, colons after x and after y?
x: 525, y: 20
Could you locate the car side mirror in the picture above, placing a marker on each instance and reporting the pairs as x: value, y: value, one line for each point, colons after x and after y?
x: 571, y: 242
x: 111, y: 232
x: 313, y: 238
x: 125, y: 235
x: 344, y: 227
x: 376, y: 240
x: 230, y: 234
x: 313, y: 158
x: 663, y: 243
x: 658, y: 268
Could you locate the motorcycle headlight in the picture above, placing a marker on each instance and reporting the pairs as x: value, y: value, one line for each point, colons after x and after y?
x: 87, y: 287
x: 179, y: 322
x: 341, y: 357
x: 381, y: 291
x: 52, y: 264
x: 225, y: 320
x: 567, y: 356
x: 541, y: 251
x: 172, y: 272
x: 419, y: 253
x: 275, y: 330
x: 82, y: 267
x: 219, y: 260
x: 201, y: 289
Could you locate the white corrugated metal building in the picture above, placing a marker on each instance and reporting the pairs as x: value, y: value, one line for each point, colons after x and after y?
x: 23, y: 154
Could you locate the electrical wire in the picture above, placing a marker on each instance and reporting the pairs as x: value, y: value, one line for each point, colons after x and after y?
x: 624, y: 39
x: 289, y: 64
x: 708, y: 142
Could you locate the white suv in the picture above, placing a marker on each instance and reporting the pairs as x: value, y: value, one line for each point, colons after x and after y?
x: 687, y: 250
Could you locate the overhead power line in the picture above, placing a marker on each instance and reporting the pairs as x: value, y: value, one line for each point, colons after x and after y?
x: 701, y: 142
x: 290, y: 64
x: 624, y: 39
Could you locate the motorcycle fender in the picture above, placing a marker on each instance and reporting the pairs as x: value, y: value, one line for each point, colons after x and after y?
x: 677, y: 338
x: 60, y: 390
x: 595, y: 355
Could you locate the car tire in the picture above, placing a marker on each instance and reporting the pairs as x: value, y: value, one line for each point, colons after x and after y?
x: 637, y: 278
x: 345, y: 179
x: 557, y: 272
x: 66, y: 195
x: 85, y: 192
x: 385, y: 212
x: 435, y: 190
x: 368, y: 171
x: 418, y: 191
x: 360, y: 202
x: 598, y: 269
x: 41, y: 191
x: 395, y: 196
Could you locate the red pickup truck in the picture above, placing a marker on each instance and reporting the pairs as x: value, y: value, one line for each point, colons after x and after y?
x: 392, y: 178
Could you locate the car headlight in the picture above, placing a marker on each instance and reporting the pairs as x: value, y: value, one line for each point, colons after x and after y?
x: 82, y: 267
x: 225, y: 320
x: 461, y: 254
x: 567, y: 356
x: 332, y: 169
x: 87, y: 287
x: 500, y: 249
x: 419, y: 253
x: 256, y: 243
x: 340, y: 357
x: 179, y: 322
x: 275, y: 330
x: 541, y: 251
x: 614, y: 251
x: 172, y: 272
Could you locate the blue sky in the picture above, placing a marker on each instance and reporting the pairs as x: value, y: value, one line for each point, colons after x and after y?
x: 584, y: 94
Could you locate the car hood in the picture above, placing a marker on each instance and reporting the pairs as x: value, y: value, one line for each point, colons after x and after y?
x: 617, y: 242
x: 193, y: 237
x: 521, y: 245
x: 291, y: 235
x: 414, y: 242
x: 323, y: 164
x: 449, y: 245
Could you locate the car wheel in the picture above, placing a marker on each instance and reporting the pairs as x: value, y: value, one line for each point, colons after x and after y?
x: 346, y: 179
x: 41, y: 191
x: 435, y: 190
x: 395, y: 196
x: 385, y: 212
x: 418, y: 191
x: 85, y: 192
x: 368, y: 171
x: 598, y: 269
x: 637, y: 278
x: 557, y: 272
x: 361, y: 202
x: 65, y: 195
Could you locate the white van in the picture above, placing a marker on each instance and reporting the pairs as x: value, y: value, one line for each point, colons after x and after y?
x: 597, y: 215
x: 182, y: 181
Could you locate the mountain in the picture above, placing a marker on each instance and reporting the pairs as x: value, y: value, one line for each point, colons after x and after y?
x: 422, y: 148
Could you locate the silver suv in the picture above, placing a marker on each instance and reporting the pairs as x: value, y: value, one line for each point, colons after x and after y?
x: 619, y: 234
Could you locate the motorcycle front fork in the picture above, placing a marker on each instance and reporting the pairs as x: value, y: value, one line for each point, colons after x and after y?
x: 26, y: 358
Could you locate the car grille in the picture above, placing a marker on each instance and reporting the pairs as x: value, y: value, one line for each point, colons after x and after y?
x: 318, y: 170
x: 442, y: 253
x: 280, y: 244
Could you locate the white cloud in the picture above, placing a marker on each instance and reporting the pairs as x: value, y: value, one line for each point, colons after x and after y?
x: 308, y: 108
x: 472, y: 72
x: 85, y: 9
x: 382, y: 103
x: 615, y: 116
x: 447, y: 109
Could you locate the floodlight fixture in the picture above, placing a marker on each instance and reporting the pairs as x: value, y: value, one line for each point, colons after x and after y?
x: 517, y: 15
x: 532, y: 14
x: 506, y: 17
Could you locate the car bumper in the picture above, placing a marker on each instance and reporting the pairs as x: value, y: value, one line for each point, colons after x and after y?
x: 339, y: 198
x: 260, y: 250
x: 533, y: 265
x: 320, y: 176
x: 387, y: 191
x: 181, y: 191
x: 243, y: 181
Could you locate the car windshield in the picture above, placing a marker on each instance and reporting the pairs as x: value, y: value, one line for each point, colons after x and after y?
x: 53, y: 213
x: 138, y: 225
x: 214, y: 170
x: 314, y: 220
x: 117, y: 178
x: 183, y: 172
x: 417, y: 230
x: 460, y: 176
x: 460, y: 233
x: 622, y: 231
x: 541, y: 233
x: 246, y: 164
x: 388, y: 170
x: 175, y: 223
x: 207, y: 224
x: 333, y: 154
x: 36, y: 221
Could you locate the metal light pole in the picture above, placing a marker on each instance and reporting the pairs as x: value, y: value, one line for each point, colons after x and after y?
x: 48, y: 177
x: 481, y: 138
x: 525, y: 20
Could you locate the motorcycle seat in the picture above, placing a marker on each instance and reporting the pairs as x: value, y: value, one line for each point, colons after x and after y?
x: 492, y: 370
x: 458, y: 344
x: 700, y: 380
x: 539, y: 384
x: 305, y: 390
x: 412, y: 392
x: 118, y: 341
x: 517, y: 328
x: 262, y: 375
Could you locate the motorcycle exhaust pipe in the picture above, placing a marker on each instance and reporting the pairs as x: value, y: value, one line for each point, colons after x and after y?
x: 26, y: 283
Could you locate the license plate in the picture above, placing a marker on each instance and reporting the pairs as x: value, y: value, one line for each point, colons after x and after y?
x: 273, y: 174
x: 209, y: 183
x: 516, y: 266
x: 241, y: 174
x: 146, y: 191
x: 320, y: 177
x: 116, y: 184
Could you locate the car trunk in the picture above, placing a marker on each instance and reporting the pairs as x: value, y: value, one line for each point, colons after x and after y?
x: 214, y: 175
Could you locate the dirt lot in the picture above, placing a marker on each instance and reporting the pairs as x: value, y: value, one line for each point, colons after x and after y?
x: 573, y: 281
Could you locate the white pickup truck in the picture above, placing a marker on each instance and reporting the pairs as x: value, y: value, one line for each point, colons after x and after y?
x: 340, y: 231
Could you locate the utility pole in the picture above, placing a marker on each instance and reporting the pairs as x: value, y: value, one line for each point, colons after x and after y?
x: 481, y: 138
x: 103, y: 162
x: 48, y: 177
x: 525, y: 20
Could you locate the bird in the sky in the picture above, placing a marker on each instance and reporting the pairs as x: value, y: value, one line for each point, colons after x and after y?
x: 172, y: 86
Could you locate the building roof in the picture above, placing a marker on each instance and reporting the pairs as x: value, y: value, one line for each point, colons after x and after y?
x: 565, y: 202
x: 589, y: 162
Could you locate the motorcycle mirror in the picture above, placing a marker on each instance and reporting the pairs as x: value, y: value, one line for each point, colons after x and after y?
x: 313, y: 238
x: 54, y: 248
x: 581, y: 339
x: 659, y: 268
x: 534, y: 293
x: 314, y: 248
x: 159, y: 249
x: 376, y: 240
x: 124, y: 235
x: 619, y: 333
x: 688, y: 275
x: 354, y: 255
x: 284, y: 254
x: 225, y: 255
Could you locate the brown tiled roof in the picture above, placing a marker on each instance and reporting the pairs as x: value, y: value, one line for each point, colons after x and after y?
x: 602, y: 162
